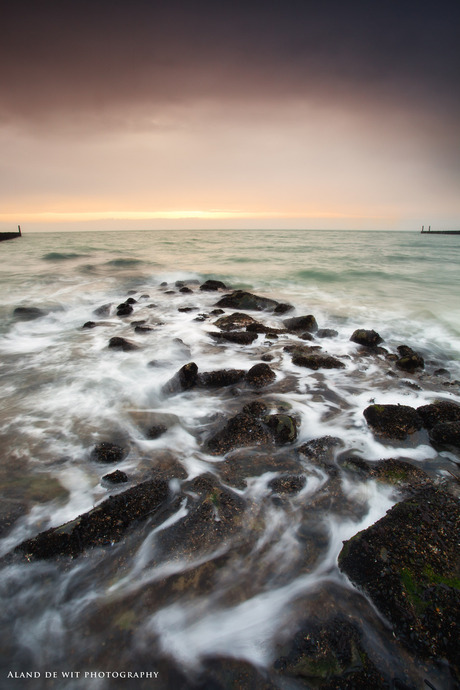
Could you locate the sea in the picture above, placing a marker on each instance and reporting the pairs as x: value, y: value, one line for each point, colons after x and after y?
x: 134, y: 605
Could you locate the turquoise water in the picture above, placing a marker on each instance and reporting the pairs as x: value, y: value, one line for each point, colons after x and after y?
x: 63, y: 391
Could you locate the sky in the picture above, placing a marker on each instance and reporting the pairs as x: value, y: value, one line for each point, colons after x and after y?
x: 277, y: 113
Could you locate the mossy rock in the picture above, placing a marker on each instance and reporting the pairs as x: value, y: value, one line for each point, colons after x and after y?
x: 393, y: 421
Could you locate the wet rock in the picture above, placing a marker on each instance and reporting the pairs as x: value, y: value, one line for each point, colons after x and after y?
x: 260, y: 375
x: 399, y: 473
x: 201, y: 317
x: 165, y: 465
x: 256, y: 408
x: 327, y: 333
x: 185, y: 289
x: 321, y: 452
x: 213, y: 286
x: 246, y: 300
x: 393, y: 421
x: 222, y: 672
x: 131, y: 300
x: 102, y: 526
x: 117, y: 477
x: 117, y: 343
x: 184, y: 310
x: 242, y: 430
x: 234, y: 321
x: 103, y: 310
x: 244, y: 463
x: 306, y: 336
x: 108, y: 452
x: 408, y: 564
x: 257, y: 327
x: 283, y: 308
x: 446, y: 434
x: 317, y: 361
x: 216, y: 312
x: 409, y: 360
x: 89, y: 324
x: 288, y: 484
x: 183, y: 380
x: 156, y: 431
x: 439, y: 411
x: 143, y: 328
x: 283, y: 427
x: 328, y: 655
x: 222, y: 377
x: 302, y: 323
x: 267, y: 358
x: 124, y: 309
x: 237, y: 337
x: 28, y: 313
x: 367, y: 338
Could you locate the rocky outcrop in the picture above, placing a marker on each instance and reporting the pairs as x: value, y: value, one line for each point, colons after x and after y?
x: 446, y: 434
x: 237, y: 337
x: 108, y: 453
x: 234, y: 321
x: 393, y: 421
x: 28, y: 313
x: 183, y: 380
x: 221, y: 377
x: 260, y: 375
x: 213, y: 286
x: 409, y: 360
x: 117, y: 343
x: 408, y: 564
x: 246, y: 300
x: 316, y: 361
x: 306, y: 323
x: 367, y: 338
x: 102, y: 526
x: 439, y: 411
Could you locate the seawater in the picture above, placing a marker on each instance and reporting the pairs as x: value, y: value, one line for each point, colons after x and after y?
x: 63, y: 391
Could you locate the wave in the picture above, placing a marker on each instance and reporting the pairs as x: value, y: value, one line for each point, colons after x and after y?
x: 61, y: 256
x: 121, y: 263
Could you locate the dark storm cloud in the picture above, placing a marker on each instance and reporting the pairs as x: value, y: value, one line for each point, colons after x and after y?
x: 79, y: 59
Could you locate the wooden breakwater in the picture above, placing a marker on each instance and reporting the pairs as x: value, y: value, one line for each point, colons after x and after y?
x: 438, y: 232
x: 10, y: 235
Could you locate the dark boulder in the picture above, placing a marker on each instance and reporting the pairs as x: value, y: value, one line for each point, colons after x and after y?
x: 321, y: 451
x: 108, y: 452
x: 242, y: 430
x: 117, y: 477
x: 117, y: 343
x: 256, y: 408
x: 131, y: 300
x: 221, y: 377
x: 317, y: 361
x: 124, y: 309
x: 283, y: 427
x: 409, y: 360
x: 283, y: 308
x: 234, y: 321
x: 287, y: 484
x: 446, y: 434
x: 183, y: 380
x: 213, y: 286
x: 302, y: 323
x: 260, y: 375
x: 257, y: 327
x: 143, y: 328
x: 103, y: 310
x: 246, y: 300
x: 101, y: 526
x: 89, y: 324
x: 237, y: 337
x: 393, y: 421
x: 28, y: 313
x: 366, y: 338
x: 439, y: 411
x: 327, y: 333
x: 156, y: 431
x: 399, y: 473
x: 408, y: 564
x: 185, y: 289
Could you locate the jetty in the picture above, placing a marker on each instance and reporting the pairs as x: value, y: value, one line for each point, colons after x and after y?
x: 439, y: 232
x: 10, y: 235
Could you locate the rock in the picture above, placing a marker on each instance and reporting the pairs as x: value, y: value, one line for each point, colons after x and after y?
x: 321, y: 452
x: 256, y: 408
x: 108, y: 452
x: 234, y: 321
x: 330, y: 655
x: 267, y: 357
x: 282, y: 308
x: 101, y: 526
x: 366, y: 338
x: 439, y: 411
x: 28, y: 313
x: 408, y: 564
x: 213, y: 286
x: 283, y: 427
x: 143, y: 329
x: 246, y: 300
x: 446, y: 434
x: 399, y: 473
x: 244, y: 463
x: 257, y: 327
x: 117, y: 343
x: 317, y: 361
x: 103, y: 310
x: 288, y: 484
x: 89, y: 324
x: 302, y: 323
x: 222, y: 672
x: 409, y: 360
x: 185, y: 289
x: 131, y: 300
x: 124, y: 309
x: 187, y: 309
x: 183, y: 380
x: 306, y: 336
x: 327, y: 333
x: 156, y: 431
x: 260, y: 375
x: 116, y: 477
x: 242, y: 430
x: 222, y: 377
x: 393, y: 421
x: 237, y: 337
